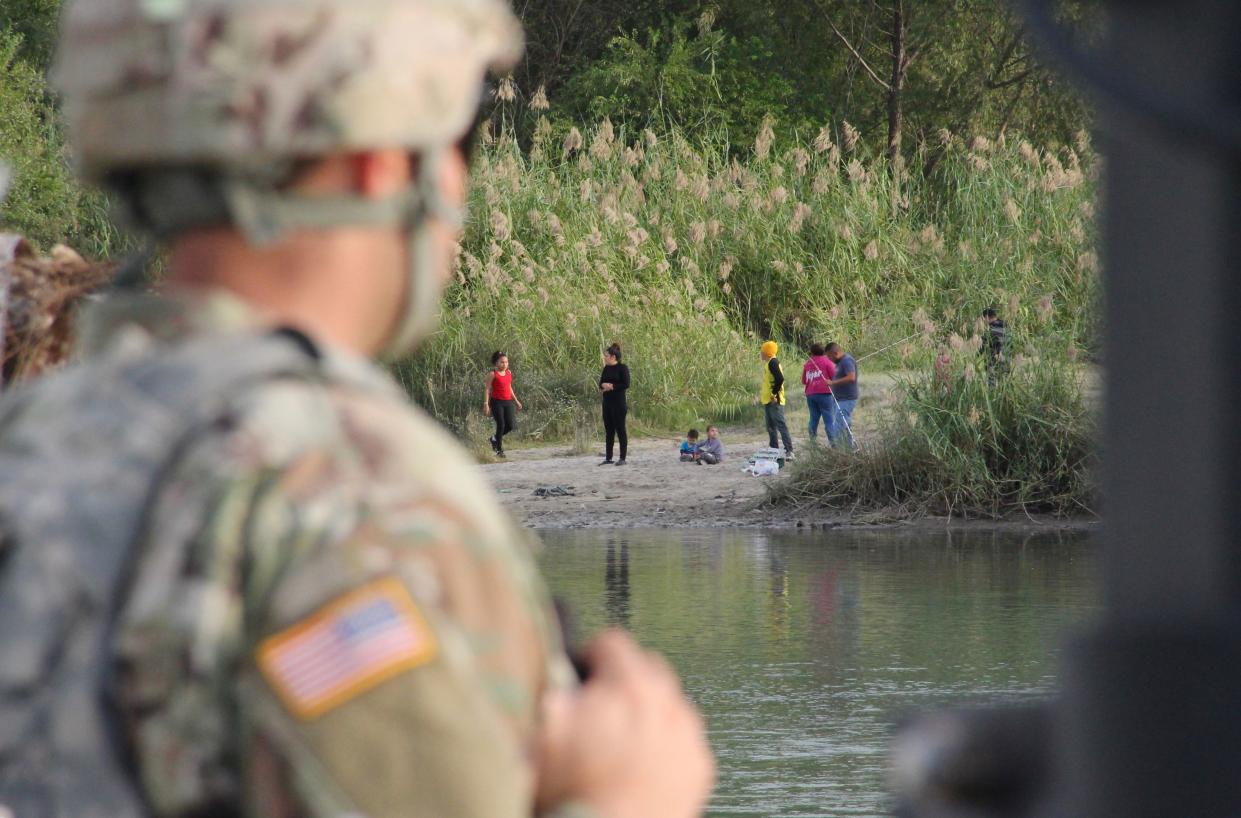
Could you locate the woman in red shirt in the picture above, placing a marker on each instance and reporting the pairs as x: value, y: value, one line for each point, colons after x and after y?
x: 500, y: 401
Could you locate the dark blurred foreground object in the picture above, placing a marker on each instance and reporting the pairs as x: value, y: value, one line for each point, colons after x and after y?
x: 37, y: 300
x: 1148, y: 724
x: 972, y: 762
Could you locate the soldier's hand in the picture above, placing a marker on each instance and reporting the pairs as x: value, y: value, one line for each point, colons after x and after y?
x: 628, y: 743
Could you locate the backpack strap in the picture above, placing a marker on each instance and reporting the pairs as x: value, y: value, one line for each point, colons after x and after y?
x: 301, y: 359
x: 64, y: 580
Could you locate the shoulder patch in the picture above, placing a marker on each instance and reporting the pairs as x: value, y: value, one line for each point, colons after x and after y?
x: 346, y: 648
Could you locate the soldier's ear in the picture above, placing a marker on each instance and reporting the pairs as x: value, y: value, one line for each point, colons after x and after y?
x: 379, y: 174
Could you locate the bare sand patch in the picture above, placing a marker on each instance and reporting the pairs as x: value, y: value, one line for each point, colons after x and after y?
x: 655, y: 490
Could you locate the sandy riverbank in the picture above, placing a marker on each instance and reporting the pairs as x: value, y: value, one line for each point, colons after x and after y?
x: 655, y: 490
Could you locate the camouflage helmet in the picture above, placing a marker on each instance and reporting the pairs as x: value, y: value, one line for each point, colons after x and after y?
x: 243, y: 82
x: 197, y: 110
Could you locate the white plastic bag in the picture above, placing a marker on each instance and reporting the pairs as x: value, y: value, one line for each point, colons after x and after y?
x: 763, y: 468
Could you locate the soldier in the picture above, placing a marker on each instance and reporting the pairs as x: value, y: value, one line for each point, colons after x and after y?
x: 239, y: 574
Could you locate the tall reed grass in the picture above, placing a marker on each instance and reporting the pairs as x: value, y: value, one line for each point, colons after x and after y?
x: 690, y: 255
x: 968, y: 439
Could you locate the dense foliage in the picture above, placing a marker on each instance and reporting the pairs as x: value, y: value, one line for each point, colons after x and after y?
x: 717, y: 67
x: 964, y: 441
x: 856, y: 170
x: 45, y: 202
x: 689, y: 257
x: 893, y: 71
x: 34, y: 22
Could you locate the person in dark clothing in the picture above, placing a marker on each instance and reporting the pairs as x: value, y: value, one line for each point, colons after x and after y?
x: 613, y: 384
x: 500, y: 401
x: 994, y: 341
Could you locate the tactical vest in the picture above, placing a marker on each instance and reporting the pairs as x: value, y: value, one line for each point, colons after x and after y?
x: 75, y: 491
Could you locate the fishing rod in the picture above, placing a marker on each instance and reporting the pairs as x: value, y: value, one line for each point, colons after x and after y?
x: 889, y: 346
x: 840, y: 413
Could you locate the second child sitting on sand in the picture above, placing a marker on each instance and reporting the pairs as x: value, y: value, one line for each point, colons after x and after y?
x: 712, y: 450
x: 689, y: 446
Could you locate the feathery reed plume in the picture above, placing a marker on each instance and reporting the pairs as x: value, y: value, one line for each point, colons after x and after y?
x: 539, y: 102
x: 849, y: 136
x: 801, y: 211
x: 507, y: 90
x: 980, y: 144
x: 500, y: 225
x: 801, y: 160
x: 572, y: 142
x: 766, y: 136
x: 601, y: 145
x: 823, y: 142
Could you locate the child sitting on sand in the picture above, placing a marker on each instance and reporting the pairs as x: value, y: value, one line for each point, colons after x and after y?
x: 689, y: 446
x: 712, y: 450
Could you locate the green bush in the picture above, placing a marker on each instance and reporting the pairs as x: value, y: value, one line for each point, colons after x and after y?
x: 35, y: 22
x: 45, y: 202
x: 700, y: 83
x: 968, y: 440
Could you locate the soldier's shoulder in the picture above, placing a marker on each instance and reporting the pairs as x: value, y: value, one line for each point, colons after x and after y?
x: 352, y: 407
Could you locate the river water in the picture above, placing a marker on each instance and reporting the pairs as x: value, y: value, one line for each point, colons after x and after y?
x: 802, y: 650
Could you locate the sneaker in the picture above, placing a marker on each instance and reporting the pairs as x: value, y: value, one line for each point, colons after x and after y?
x: 606, y: 463
x: 500, y: 454
x: 620, y: 462
x: 495, y: 447
x: 788, y: 455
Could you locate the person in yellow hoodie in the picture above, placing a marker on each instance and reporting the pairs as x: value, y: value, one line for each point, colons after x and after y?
x: 772, y: 397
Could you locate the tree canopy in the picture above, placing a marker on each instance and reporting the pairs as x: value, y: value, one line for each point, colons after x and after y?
x: 719, y: 67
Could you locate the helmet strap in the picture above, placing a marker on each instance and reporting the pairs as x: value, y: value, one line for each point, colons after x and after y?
x: 265, y: 216
x: 420, y: 314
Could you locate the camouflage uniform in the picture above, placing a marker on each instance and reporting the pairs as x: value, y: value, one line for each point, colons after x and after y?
x: 308, y: 490
x: 326, y: 614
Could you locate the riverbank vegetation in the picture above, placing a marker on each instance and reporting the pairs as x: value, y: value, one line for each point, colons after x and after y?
x: 964, y: 439
x: 44, y: 202
x: 691, y: 254
x: 692, y: 178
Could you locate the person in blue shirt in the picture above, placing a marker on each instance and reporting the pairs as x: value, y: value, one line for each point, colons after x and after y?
x: 845, y: 388
x: 689, y: 446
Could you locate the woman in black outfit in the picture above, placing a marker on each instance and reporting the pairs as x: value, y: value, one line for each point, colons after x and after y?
x: 612, y: 385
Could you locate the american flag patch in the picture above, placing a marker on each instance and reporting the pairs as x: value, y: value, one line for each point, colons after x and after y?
x: 346, y: 648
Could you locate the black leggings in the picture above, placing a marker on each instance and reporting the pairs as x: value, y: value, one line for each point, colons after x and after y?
x: 614, y: 425
x: 504, y: 413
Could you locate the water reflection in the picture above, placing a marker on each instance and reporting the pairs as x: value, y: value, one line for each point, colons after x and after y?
x: 801, y: 650
x: 778, y: 601
x: 616, y: 584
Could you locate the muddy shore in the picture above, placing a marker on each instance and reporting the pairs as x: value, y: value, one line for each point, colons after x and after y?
x: 655, y: 490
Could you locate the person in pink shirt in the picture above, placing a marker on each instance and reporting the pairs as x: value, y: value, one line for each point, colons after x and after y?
x: 816, y: 376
